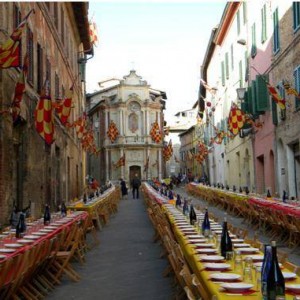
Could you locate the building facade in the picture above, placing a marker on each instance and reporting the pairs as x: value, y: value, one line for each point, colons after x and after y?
x: 133, y: 107
x: 55, y: 38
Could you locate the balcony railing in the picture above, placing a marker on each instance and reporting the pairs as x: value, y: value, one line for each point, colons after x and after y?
x: 132, y: 140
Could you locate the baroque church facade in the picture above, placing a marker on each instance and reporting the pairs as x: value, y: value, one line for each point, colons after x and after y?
x: 122, y: 114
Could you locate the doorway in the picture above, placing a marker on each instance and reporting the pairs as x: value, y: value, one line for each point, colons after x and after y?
x: 134, y: 170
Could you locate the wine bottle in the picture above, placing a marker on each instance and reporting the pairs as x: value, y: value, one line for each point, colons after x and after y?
x: 226, y: 244
x: 275, y: 285
x: 265, y: 269
x: 206, y: 224
x: 21, y: 226
x: 47, y: 215
x: 269, y: 194
x: 193, y: 217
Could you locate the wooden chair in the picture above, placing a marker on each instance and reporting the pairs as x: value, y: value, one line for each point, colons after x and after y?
x: 292, y: 267
x: 201, y: 289
x: 188, y: 279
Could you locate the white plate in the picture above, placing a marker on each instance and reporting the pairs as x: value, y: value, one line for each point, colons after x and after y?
x: 194, y: 236
x: 247, y: 250
x: 56, y: 225
x: 225, y: 276
x: 255, y: 257
x: 13, y: 245
x: 31, y: 237
x: 216, y: 266
x: 46, y: 230
x: 2, y: 256
x: 198, y: 245
x: 211, y: 257
x: 237, y: 240
x: 25, y: 241
x: 237, y: 286
x: 6, y: 250
x: 292, y: 287
x: 50, y: 227
x: 241, y: 245
x: 39, y: 233
x: 197, y: 241
x: 289, y: 275
x: 259, y: 264
x: 206, y: 250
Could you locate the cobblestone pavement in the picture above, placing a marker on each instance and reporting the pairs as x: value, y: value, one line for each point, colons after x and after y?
x: 294, y: 256
x: 126, y: 263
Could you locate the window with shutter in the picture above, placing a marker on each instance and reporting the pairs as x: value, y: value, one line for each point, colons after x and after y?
x: 48, y: 73
x: 29, y: 49
x: 40, y: 68
x: 244, y: 103
x: 281, y: 91
x: 253, y: 100
x: 262, y: 94
x: 232, y: 58
x: 241, y: 73
x: 297, y: 86
x: 296, y: 15
x: 254, y: 47
x: 246, y: 67
x: 276, y: 44
x: 17, y: 18
x: 223, y: 73
x: 263, y: 24
x: 274, y: 113
x: 238, y: 22
x: 244, y: 12
x: 227, y: 65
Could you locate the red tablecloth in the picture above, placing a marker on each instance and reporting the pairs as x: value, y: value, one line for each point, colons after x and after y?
x: 290, y: 209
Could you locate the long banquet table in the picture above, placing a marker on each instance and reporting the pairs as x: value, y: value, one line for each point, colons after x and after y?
x: 92, y: 206
x: 193, y: 243
x: 37, y: 235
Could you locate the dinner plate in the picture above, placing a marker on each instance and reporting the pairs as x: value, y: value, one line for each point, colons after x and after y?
x: 194, y: 236
x: 56, y: 224
x: 237, y: 241
x: 237, y: 286
x: 259, y: 264
x: 2, y: 256
x: 247, y: 250
x: 31, y: 237
x: 50, y: 227
x: 2, y: 235
x: 206, y: 250
x: 25, y: 241
x: 197, y: 241
x: 289, y: 275
x: 13, y: 245
x: 255, y: 257
x: 39, y: 233
x: 241, y: 245
x: 211, y: 257
x: 7, y: 250
x: 199, y: 245
x: 46, y: 230
x: 293, y: 287
x: 216, y: 266
x: 225, y: 276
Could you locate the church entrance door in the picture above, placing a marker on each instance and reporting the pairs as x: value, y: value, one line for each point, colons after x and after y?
x: 134, y: 170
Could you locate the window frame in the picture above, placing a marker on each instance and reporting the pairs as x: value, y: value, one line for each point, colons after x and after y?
x: 276, y: 38
x: 296, y: 75
x: 296, y: 16
x: 264, y: 24
x: 30, y: 53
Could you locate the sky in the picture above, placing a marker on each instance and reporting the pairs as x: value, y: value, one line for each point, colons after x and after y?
x: 164, y: 42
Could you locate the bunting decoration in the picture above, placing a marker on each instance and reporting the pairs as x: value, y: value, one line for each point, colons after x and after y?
x: 43, y: 115
x: 146, y: 166
x: 80, y: 126
x: 10, y: 50
x: 63, y: 110
x: 155, y: 133
x: 202, y: 153
x: 19, y: 91
x: 236, y: 120
x: 120, y: 162
x: 276, y: 97
x: 168, y: 151
x: 93, y: 33
x: 112, y: 131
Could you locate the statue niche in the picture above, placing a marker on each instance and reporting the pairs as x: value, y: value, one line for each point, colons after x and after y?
x: 133, y: 122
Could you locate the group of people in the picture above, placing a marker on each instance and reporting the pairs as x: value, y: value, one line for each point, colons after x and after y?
x: 135, y: 185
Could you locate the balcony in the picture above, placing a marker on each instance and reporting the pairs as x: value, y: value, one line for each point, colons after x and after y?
x: 136, y: 140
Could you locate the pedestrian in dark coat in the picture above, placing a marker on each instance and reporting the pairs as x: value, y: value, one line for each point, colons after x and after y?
x: 124, y: 190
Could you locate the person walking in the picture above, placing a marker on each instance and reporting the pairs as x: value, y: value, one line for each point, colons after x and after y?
x: 135, y: 183
x: 123, y: 188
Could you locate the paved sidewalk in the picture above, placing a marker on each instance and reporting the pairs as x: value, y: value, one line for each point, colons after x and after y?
x: 237, y: 222
x: 126, y: 263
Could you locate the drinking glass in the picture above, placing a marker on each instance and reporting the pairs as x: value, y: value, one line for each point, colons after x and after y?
x: 258, y: 278
x: 229, y: 256
x: 247, y: 276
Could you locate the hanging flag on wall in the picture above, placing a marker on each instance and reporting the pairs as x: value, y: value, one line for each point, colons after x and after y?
x: 19, y: 91
x: 236, y: 120
x: 276, y: 97
x: 93, y: 33
x: 10, y: 49
x: 64, y: 109
x: 155, y: 133
x: 120, y: 162
x: 44, y: 122
x: 112, y: 131
x: 80, y: 126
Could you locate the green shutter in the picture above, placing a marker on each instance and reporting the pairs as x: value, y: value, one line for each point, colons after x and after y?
x: 249, y: 99
x: 297, y: 86
x: 232, y: 58
x: 241, y: 73
x: 223, y: 73
x: 238, y: 20
x: 245, y: 12
x: 253, y: 48
x: 262, y: 94
x: 244, y: 104
x: 227, y: 65
x: 263, y: 24
x: 274, y: 113
x: 253, y: 100
x: 82, y: 70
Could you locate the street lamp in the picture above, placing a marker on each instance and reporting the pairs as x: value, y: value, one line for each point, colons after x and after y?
x: 241, y: 93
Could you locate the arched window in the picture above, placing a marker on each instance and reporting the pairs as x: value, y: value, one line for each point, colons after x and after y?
x: 133, y: 122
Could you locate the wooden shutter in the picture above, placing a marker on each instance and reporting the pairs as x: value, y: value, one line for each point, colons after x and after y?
x: 244, y: 104
x: 223, y: 73
x: 30, y: 55
x: 227, y: 65
x: 262, y: 94
x: 253, y: 100
x: 40, y: 68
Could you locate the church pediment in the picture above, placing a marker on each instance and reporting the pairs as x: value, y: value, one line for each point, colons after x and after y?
x: 133, y: 79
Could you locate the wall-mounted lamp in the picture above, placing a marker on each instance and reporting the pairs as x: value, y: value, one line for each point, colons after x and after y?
x: 241, y: 93
x: 242, y: 42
